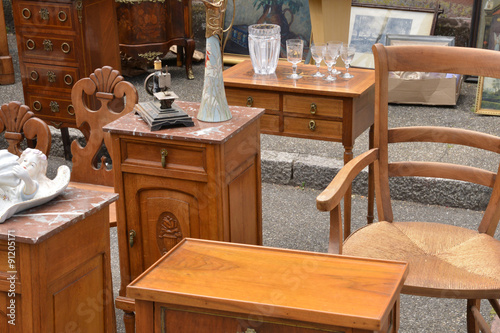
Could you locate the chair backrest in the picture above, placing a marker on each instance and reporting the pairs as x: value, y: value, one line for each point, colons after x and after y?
x: 435, y: 59
x: 98, y: 100
x: 19, y: 123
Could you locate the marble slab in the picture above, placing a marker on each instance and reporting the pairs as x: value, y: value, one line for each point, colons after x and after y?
x: 206, y: 132
x: 34, y: 225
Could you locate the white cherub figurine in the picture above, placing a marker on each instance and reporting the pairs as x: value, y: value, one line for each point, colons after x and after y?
x: 23, y: 181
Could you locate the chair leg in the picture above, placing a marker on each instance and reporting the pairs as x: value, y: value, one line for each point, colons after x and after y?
x: 472, y: 326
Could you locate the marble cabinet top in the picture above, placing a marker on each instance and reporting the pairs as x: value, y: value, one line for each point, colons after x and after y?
x: 39, y: 223
x: 206, y: 132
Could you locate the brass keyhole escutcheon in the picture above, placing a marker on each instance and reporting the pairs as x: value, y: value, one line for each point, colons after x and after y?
x: 44, y: 14
x: 313, y: 108
x: 131, y: 237
x: 312, y: 125
x: 164, y: 154
x: 250, y: 101
x: 54, y: 106
x: 47, y: 45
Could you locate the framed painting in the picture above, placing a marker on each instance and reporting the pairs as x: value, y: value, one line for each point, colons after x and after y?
x: 370, y: 24
x: 488, y: 37
x: 419, y: 40
x: 291, y: 15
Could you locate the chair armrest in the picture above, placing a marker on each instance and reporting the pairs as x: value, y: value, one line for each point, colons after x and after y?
x: 335, y: 191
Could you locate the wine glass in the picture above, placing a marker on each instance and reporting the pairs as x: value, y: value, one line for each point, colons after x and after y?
x: 294, y: 48
x: 317, y: 54
x: 330, y: 55
x: 337, y: 44
x: 347, y: 54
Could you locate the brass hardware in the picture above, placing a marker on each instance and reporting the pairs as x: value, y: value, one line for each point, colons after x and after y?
x: 26, y: 13
x: 79, y: 9
x: 54, y: 106
x: 34, y: 75
x: 30, y: 44
x: 51, y: 76
x: 56, y: 125
x: 164, y: 154
x: 47, y: 45
x: 62, y: 16
x: 68, y: 79
x: 65, y: 48
x: 131, y: 237
x: 312, y: 125
x: 71, y: 110
x: 44, y: 14
x: 37, y: 106
x: 250, y: 101
x: 313, y: 108
x: 151, y: 55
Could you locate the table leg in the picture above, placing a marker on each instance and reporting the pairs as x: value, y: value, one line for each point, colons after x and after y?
x: 347, y: 197
x: 371, y: 183
x: 66, y: 143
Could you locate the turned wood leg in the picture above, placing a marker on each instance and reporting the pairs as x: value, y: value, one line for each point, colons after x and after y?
x: 190, y: 46
x: 66, y: 143
x: 347, y: 197
x: 472, y: 326
x: 129, y: 321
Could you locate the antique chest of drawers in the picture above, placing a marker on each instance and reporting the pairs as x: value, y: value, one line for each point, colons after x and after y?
x: 59, y: 42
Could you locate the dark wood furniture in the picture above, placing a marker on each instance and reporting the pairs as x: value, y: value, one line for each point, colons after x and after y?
x: 60, y: 42
x: 59, y: 253
x: 147, y: 29
x: 445, y: 260
x: 202, y: 182
x: 309, y: 108
x: 6, y: 64
x: 222, y: 287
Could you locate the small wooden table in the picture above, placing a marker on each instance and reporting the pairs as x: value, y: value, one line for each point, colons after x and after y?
x: 201, y: 182
x: 59, y: 253
x: 309, y: 108
x: 207, y: 286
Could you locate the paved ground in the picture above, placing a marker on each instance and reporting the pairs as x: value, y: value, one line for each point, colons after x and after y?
x: 293, y: 171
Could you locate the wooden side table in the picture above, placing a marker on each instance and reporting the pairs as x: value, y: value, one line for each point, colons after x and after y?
x: 201, y: 182
x: 309, y: 108
x: 222, y: 287
x: 59, y: 253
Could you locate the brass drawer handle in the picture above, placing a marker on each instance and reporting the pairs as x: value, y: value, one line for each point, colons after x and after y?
x: 71, y: 110
x: 37, y: 106
x: 51, y: 76
x: 47, y: 45
x: 131, y: 237
x: 65, y: 48
x: 54, y: 106
x: 34, y: 75
x: 68, y: 79
x: 26, y: 13
x: 164, y: 154
x: 250, y: 101
x: 62, y: 16
x: 44, y: 14
x: 312, y: 125
x: 30, y: 44
x: 313, y: 108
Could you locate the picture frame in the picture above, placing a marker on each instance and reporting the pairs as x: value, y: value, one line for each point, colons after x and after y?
x: 488, y: 37
x: 419, y: 40
x: 370, y: 24
x: 292, y: 16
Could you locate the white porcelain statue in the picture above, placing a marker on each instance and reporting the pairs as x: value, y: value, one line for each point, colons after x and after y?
x: 24, y: 184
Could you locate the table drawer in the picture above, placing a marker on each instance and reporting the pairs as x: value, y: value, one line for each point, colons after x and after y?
x: 38, y: 15
x: 253, y: 98
x: 50, y: 77
x: 270, y: 122
x: 51, y: 106
x: 319, y: 128
x: 49, y: 48
x: 313, y: 105
x: 176, y: 156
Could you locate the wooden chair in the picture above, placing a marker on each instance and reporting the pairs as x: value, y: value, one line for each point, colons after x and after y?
x: 19, y: 123
x: 98, y: 100
x: 445, y: 261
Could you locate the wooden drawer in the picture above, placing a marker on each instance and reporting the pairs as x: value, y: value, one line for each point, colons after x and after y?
x: 313, y: 105
x: 50, y: 78
x: 253, y: 98
x: 319, y: 128
x: 179, y: 158
x: 39, y: 15
x: 270, y: 122
x: 43, y: 105
x: 49, y: 48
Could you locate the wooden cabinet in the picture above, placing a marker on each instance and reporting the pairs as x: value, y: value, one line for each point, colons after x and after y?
x: 213, y: 286
x: 147, y: 29
x: 60, y: 42
x: 201, y: 182
x: 59, y: 254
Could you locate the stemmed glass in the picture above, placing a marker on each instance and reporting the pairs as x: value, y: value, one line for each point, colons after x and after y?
x: 339, y: 45
x: 330, y: 55
x: 294, y: 48
x: 347, y: 54
x: 317, y: 54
